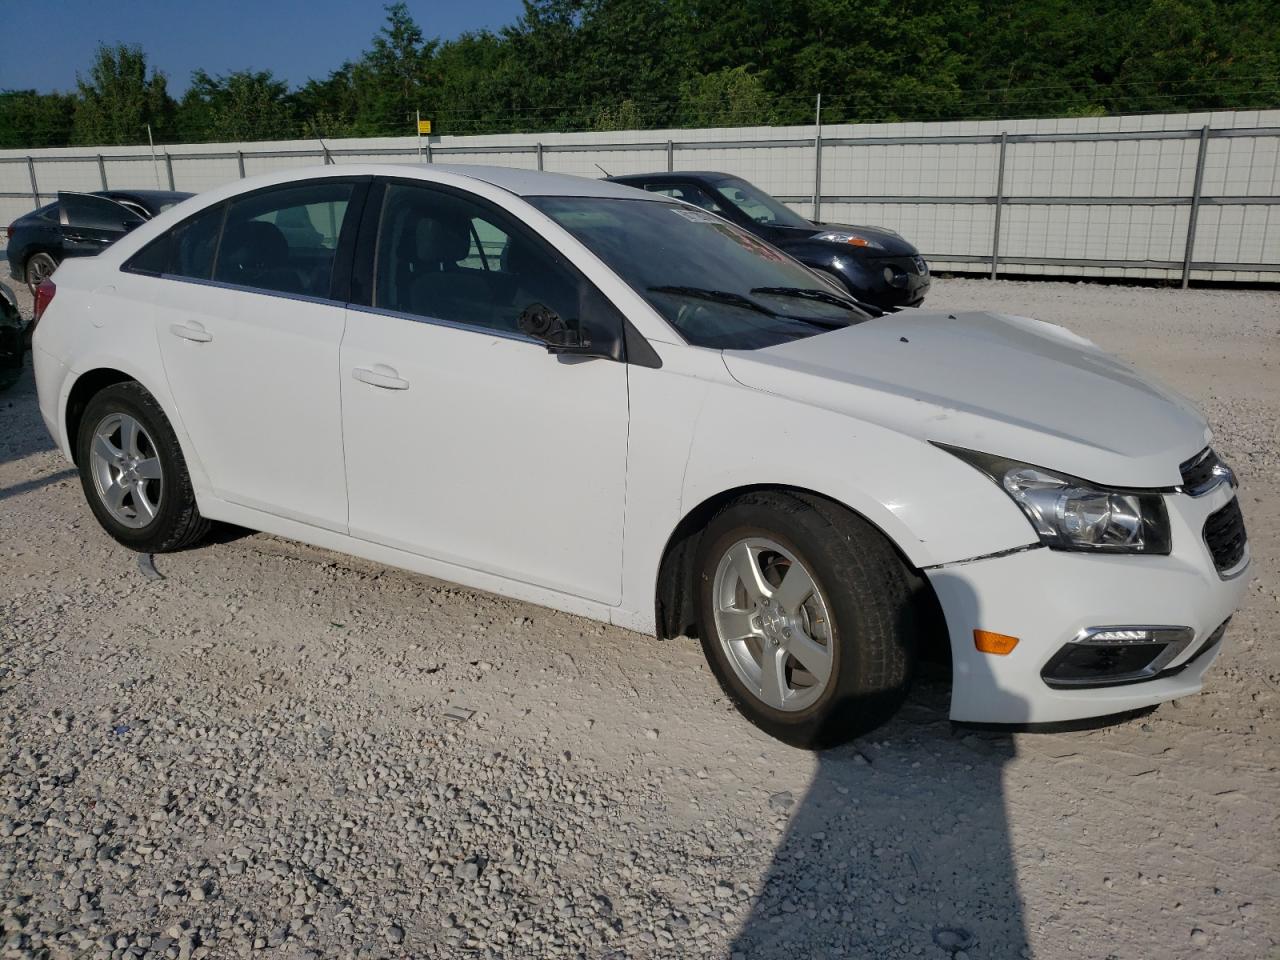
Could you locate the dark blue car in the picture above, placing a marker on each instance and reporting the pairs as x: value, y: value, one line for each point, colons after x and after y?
x: 78, y: 225
x: 876, y: 265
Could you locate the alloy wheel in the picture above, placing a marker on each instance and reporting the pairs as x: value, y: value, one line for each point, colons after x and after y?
x: 773, y: 624
x: 126, y: 470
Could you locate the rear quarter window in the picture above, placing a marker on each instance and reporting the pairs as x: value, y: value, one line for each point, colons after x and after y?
x: 186, y: 250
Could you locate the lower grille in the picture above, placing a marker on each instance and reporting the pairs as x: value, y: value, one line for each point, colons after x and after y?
x: 1225, y: 536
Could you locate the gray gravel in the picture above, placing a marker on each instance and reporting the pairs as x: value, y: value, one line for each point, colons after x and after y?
x: 284, y: 751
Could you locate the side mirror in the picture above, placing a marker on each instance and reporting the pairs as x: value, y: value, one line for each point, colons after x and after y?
x: 542, y: 323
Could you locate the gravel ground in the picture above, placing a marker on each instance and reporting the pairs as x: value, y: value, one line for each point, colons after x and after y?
x: 278, y: 749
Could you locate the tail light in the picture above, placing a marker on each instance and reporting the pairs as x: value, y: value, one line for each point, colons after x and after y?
x: 44, y: 297
x: 8, y: 232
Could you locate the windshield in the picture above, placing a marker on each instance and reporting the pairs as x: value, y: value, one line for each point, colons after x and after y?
x: 758, y: 205
x: 717, y: 284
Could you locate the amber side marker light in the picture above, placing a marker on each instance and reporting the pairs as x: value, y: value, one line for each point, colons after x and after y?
x: 997, y: 643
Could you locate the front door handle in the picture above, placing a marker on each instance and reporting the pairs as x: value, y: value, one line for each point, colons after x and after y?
x: 190, y: 331
x: 381, y: 375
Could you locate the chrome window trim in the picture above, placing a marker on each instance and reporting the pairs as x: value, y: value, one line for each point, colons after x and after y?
x: 447, y: 324
x: 244, y: 288
x: 355, y: 307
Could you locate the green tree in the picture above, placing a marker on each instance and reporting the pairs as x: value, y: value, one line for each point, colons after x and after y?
x: 31, y: 119
x: 119, y: 99
x: 390, y: 80
x: 244, y: 105
x: 731, y: 97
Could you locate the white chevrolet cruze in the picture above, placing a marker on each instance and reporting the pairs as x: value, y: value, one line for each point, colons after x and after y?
x: 610, y: 403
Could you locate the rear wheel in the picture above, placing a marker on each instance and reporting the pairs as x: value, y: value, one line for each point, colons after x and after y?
x: 133, y: 472
x: 808, y: 617
x: 40, y: 267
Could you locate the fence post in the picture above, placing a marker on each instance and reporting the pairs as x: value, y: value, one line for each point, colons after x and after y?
x: 102, y: 171
x: 671, y: 158
x: 35, y: 190
x: 539, y: 154
x: 240, y: 160
x: 168, y: 167
x: 995, y: 233
x: 1195, y: 207
x: 427, y: 147
x: 817, y: 161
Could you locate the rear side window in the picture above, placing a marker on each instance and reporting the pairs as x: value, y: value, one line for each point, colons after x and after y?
x: 689, y: 193
x: 187, y: 250
x: 284, y: 239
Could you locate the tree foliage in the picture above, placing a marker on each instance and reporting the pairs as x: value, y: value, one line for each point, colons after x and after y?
x: 119, y: 99
x: 613, y: 64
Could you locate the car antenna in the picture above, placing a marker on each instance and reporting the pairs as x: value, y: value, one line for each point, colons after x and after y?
x: 319, y: 139
x: 603, y: 170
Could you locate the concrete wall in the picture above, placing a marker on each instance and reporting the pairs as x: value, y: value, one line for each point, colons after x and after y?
x: 1080, y: 196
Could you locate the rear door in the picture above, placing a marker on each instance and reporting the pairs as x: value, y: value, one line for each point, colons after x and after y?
x: 89, y: 224
x: 250, y: 322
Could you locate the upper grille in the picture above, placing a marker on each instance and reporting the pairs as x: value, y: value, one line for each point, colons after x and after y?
x: 1203, y: 472
x: 1225, y: 537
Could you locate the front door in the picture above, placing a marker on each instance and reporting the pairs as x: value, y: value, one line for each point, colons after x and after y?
x: 466, y: 441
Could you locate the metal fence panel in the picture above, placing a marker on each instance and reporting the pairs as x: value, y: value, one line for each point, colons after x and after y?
x: 1171, y: 196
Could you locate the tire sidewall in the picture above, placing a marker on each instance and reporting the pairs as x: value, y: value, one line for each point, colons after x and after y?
x: 849, y: 705
x: 128, y: 399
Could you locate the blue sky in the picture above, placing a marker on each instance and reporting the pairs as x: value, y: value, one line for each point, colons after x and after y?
x: 296, y: 39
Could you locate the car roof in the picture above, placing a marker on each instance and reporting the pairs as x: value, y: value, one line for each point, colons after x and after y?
x: 155, y: 196
x: 521, y: 182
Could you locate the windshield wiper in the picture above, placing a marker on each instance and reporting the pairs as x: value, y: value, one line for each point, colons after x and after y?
x: 719, y: 296
x: 822, y: 296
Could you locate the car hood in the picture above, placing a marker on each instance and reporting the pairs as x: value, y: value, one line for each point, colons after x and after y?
x: 1004, y: 385
x: 894, y: 244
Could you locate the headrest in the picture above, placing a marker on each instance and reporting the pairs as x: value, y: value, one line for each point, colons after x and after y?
x: 252, y: 247
x: 443, y: 237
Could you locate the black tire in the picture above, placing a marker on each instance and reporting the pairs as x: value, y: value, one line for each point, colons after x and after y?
x: 177, y: 523
x: 44, y: 263
x: 873, y: 601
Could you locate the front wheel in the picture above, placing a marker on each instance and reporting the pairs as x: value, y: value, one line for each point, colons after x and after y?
x: 133, y: 472
x: 807, y: 616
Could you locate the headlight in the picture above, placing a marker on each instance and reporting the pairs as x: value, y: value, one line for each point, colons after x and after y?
x: 853, y: 239
x: 1072, y: 514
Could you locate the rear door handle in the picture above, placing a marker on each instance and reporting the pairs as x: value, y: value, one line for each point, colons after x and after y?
x: 190, y: 331
x: 381, y: 375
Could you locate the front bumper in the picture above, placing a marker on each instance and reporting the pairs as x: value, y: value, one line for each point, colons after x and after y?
x: 1046, y: 598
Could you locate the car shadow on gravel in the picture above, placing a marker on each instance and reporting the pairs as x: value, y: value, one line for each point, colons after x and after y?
x: 900, y: 847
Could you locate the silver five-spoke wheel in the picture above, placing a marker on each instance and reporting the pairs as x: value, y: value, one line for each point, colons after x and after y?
x: 126, y: 470
x: 773, y: 623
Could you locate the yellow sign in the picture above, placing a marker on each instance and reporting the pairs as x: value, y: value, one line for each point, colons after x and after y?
x: 424, y: 126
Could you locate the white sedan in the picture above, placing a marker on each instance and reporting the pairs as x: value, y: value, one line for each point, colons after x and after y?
x: 610, y: 403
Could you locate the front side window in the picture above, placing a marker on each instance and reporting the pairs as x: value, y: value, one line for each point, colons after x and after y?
x: 758, y: 205
x: 719, y: 285
x: 284, y: 239
x: 447, y: 257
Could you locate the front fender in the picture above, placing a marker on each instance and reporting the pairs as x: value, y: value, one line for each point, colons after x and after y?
x: 696, y: 434
x: 934, y: 507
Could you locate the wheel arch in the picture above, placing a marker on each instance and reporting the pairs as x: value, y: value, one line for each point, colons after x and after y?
x: 85, y: 388
x: 675, y: 600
